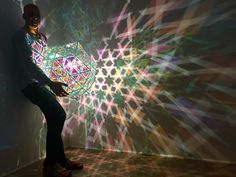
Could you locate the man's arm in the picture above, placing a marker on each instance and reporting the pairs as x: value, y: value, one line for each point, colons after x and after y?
x: 24, y: 51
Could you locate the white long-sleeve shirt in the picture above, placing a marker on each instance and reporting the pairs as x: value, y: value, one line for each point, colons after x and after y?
x: 29, y: 50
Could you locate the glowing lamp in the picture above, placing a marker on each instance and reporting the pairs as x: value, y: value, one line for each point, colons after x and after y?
x: 69, y: 64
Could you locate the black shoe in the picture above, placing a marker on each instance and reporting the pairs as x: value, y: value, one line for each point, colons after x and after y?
x: 56, y: 170
x: 72, y: 165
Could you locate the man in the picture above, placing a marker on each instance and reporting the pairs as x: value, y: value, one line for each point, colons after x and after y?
x: 29, y: 44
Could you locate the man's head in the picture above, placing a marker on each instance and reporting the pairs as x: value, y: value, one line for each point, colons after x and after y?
x: 31, y: 15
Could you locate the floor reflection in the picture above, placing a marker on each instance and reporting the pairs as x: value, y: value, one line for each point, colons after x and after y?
x: 114, y: 164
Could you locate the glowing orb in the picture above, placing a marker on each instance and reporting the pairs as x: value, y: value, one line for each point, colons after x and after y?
x: 69, y: 64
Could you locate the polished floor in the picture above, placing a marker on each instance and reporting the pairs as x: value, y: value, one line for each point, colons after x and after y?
x: 114, y: 164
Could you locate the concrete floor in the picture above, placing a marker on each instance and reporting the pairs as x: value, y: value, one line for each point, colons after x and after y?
x: 113, y: 164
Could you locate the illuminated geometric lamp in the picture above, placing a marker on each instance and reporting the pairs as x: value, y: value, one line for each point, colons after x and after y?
x: 72, y: 65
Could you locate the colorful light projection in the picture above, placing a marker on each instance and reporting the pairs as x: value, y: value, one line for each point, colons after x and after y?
x: 164, y: 80
x: 69, y: 64
x: 161, y: 86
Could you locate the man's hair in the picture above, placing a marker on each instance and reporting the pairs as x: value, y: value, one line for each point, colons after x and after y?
x: 29, y: 7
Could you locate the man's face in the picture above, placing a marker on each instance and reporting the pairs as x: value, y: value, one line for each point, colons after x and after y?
x: 32, y: 17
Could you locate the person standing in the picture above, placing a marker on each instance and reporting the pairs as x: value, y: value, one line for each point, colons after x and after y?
x: 29, y: 44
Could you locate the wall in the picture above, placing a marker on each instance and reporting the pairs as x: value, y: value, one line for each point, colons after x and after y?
x: 165, y: 81
x: 21, y: 123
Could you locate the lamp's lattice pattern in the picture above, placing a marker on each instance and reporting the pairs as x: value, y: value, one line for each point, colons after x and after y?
x: 69, y: 64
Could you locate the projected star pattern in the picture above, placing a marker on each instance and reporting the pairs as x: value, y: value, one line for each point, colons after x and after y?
x: 167, y: 85
x: 161, y: 81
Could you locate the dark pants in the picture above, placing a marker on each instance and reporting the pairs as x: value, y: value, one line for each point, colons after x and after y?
x: 55, y: 117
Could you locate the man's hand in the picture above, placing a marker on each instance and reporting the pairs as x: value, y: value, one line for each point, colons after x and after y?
x: 58, y: 89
